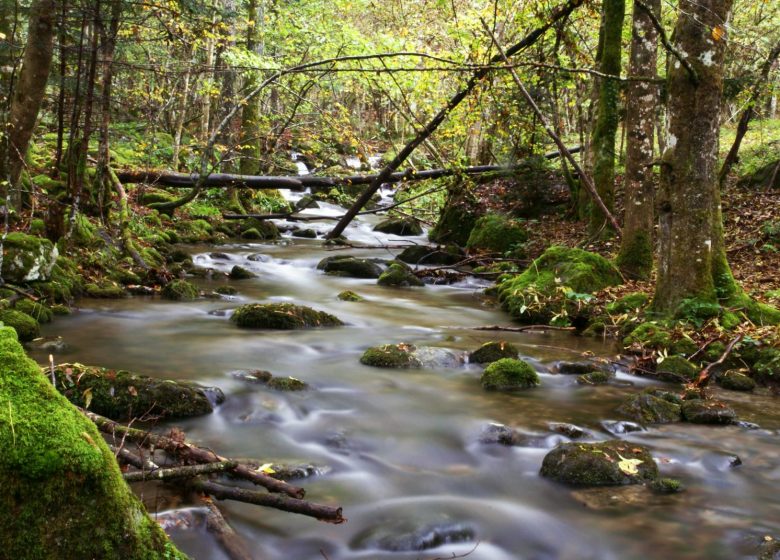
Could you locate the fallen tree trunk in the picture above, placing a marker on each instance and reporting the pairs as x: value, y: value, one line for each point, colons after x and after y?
x: 267, y: 182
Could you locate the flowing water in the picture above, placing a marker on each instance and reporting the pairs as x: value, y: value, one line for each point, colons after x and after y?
x: 400, y: 449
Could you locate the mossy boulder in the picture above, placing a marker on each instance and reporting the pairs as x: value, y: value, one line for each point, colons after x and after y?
x: 556, y: 282
x: 493, y: 351
x: 105, y: 290
x: 306, y: 201
x: 154, y: 196
x: 25, y: 326
x: 63, y: 494
x: 399, y: 275
x: 677, y: 368
x: 600, y: 377
x: 399, y: 226
x: 648, y: 335
x: 305, y: 233
x: 735, y: 380
x: 122, y: 395
x: 179, y: 290
x: 353, y: 267
x: 282, y: 316
x: 652, y: 406
x: 458, y: 216
x: 508, y: 374
x: 767, y: 365
x: 399, y: 356
x: 226, y: 290
x: 423, y: 254
x: 577, y: 368
x: 496, y: 233
x: 287, y: 384
x: 349, y: 295
x: 254, y: 229
x: 39, y: 312
x: 610, y: 463
x: 27, y: 258
x: 628, y: 303
x: 701, y: 411
x: 241, y: 273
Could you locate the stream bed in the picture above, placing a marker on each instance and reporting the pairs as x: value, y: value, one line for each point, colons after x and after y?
x: 400, y: 450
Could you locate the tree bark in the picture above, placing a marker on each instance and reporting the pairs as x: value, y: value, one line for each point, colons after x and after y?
x: 636, y: 248
x: 692, y: 258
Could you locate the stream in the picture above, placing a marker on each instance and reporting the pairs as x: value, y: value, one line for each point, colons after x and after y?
x: 400, y: 449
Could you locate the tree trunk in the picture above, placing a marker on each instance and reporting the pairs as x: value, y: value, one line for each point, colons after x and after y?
x: 250, y: 118
x: 636, y: 248
x: 28, y: 94
x: 692, y: 259
x: 607, y: 117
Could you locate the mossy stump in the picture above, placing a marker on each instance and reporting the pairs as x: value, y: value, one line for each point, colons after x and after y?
x: 63, y: 494
x: 610, y: 463
x: 282, y: 316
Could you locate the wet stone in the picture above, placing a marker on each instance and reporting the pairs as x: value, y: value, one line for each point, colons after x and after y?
x: 259, y: 257
x: 402, y: 536
x: 621, y: 427
x: 610, y: 463
x: 708, y: 412
x: 220, y: 256
x: 569, y: 430
x: 576, y: 368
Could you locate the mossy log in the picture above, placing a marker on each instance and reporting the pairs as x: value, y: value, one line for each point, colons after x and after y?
x: 63, y: 495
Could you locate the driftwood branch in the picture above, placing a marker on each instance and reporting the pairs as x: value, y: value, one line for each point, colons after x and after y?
x: 129, y: 458
x: 523, y: 329
x: 706, y: 373
x: 187, y: 471
x: 216, y: 524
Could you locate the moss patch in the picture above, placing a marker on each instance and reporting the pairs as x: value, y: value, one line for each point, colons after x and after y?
x: 39, y: 312
x: 679, y: 367
x: 391, y: 356
x: 508, y: 374
x: 399, y: 226
x: 493, y: 351
x: 734, y: 380
x: 349, y: 295
x: 599, y: 464
x: 496, y: 233
x: 399, y: 275
x: 282, y: 316
x: 25, y: 326
x: 179, y: 290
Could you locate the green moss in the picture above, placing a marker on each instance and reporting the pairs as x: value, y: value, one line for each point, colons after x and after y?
x: 697, y: 311
x: 492, y: 352
x: 399, y: 275
x: 349, y: 295
x: 152, y: 196
x: 105, y: 291
x: 287, y: 384
x: 283, y: 316
x: 680, y: 367
x: 37, y: 227
x: 179, y: 290
x: 391, y: 356
x: 635, y: 259
x: 649, y: 407
x: 734, y: 380
x: 27, y: 258
x: 598, y: 464
x: 84, y: 232
x: 226, y: 290
x: 458, y: 215
x: 39, y: 312
x: 497, y: 234
x: 628, y: 303
x: 259, y: 229
x: 767, y: 366
x: 708, y: 412
x: 122, y: 395
x: 666, y: 486
x: 595, y: 378
x: 399, y: 226
x: 649, y: 335
x: 759, y: 313
x: 25, y: 326
x: 422, y: 254
x: 63, y: 494
x: 344, y: 265
x: 508, y: 374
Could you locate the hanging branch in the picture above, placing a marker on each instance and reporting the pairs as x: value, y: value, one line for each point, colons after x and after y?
x: 586, y: 180
x: 558, y: 13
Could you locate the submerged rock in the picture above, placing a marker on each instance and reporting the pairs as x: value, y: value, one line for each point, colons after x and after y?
x: 353, y: 267
x: 652, y: 406
x: 569, y: 430
x: 305, y: 233
x: 405, y: 536
x: 399, y: 226
x: 282, y: 316
x: 708, y: 412
x: 241, y: 273
x: 399, y: 275
x: 493, y: 351
x: 508, y: 374
x: 63, y: 495
x: 610, y: 463
x: 121, y: 395
x: 434, y: 357
x: 596, y: 378
x: 621, y: 427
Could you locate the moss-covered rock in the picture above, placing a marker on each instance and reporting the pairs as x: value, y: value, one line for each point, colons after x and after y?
x: 353, y: 267
x: 305, y: 233
x: 399, y: 226
x: 652, y: 407
x: 105, y: 290
x: 122, y: 395
x: 287, y: 384
x: 577, y: 368
x: 596, y: 378
x: 458, y: 216
x: 226, y: 290
x: 399, y: 356
x: 610, y: 463
x: 241, y: 273
x: 677, y: 368
x: 400, y: 276
x: 63, y: 494
x: 701, y: 411
x: 554, y: 284
x: 349, y: 295
x: 509, y: 374
x: 770, y: 548
x: 767, y: 365
x: 259, y: 229
x: 39, y: 312
x: 495, y: 233
x: 306, y: 201
x: 649, y: 335
x: 422, y: 254
x: 179, y: 290
x: 735, y: 380
x: 492, y: 352
x: 27, y: 258
x: 282, y: 316
x: 628, y: 303
x: 666, y: 486
x: 25, y: 326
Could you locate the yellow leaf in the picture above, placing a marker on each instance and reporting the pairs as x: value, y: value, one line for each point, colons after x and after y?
x: 87, y: 397
x: 266, y: 468
x: 718, y: 32
x: 629, y: 466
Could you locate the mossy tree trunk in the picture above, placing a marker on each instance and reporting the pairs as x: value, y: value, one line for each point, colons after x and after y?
x: 28, y: 94
x: 250, y: 118
x: 607, y: 114
x: 636, y: 248
x: 692, y: 258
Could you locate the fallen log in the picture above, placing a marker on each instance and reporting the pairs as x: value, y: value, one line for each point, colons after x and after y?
x: 266, y: 182
x: 189, y: 452
x: 321, y: 512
